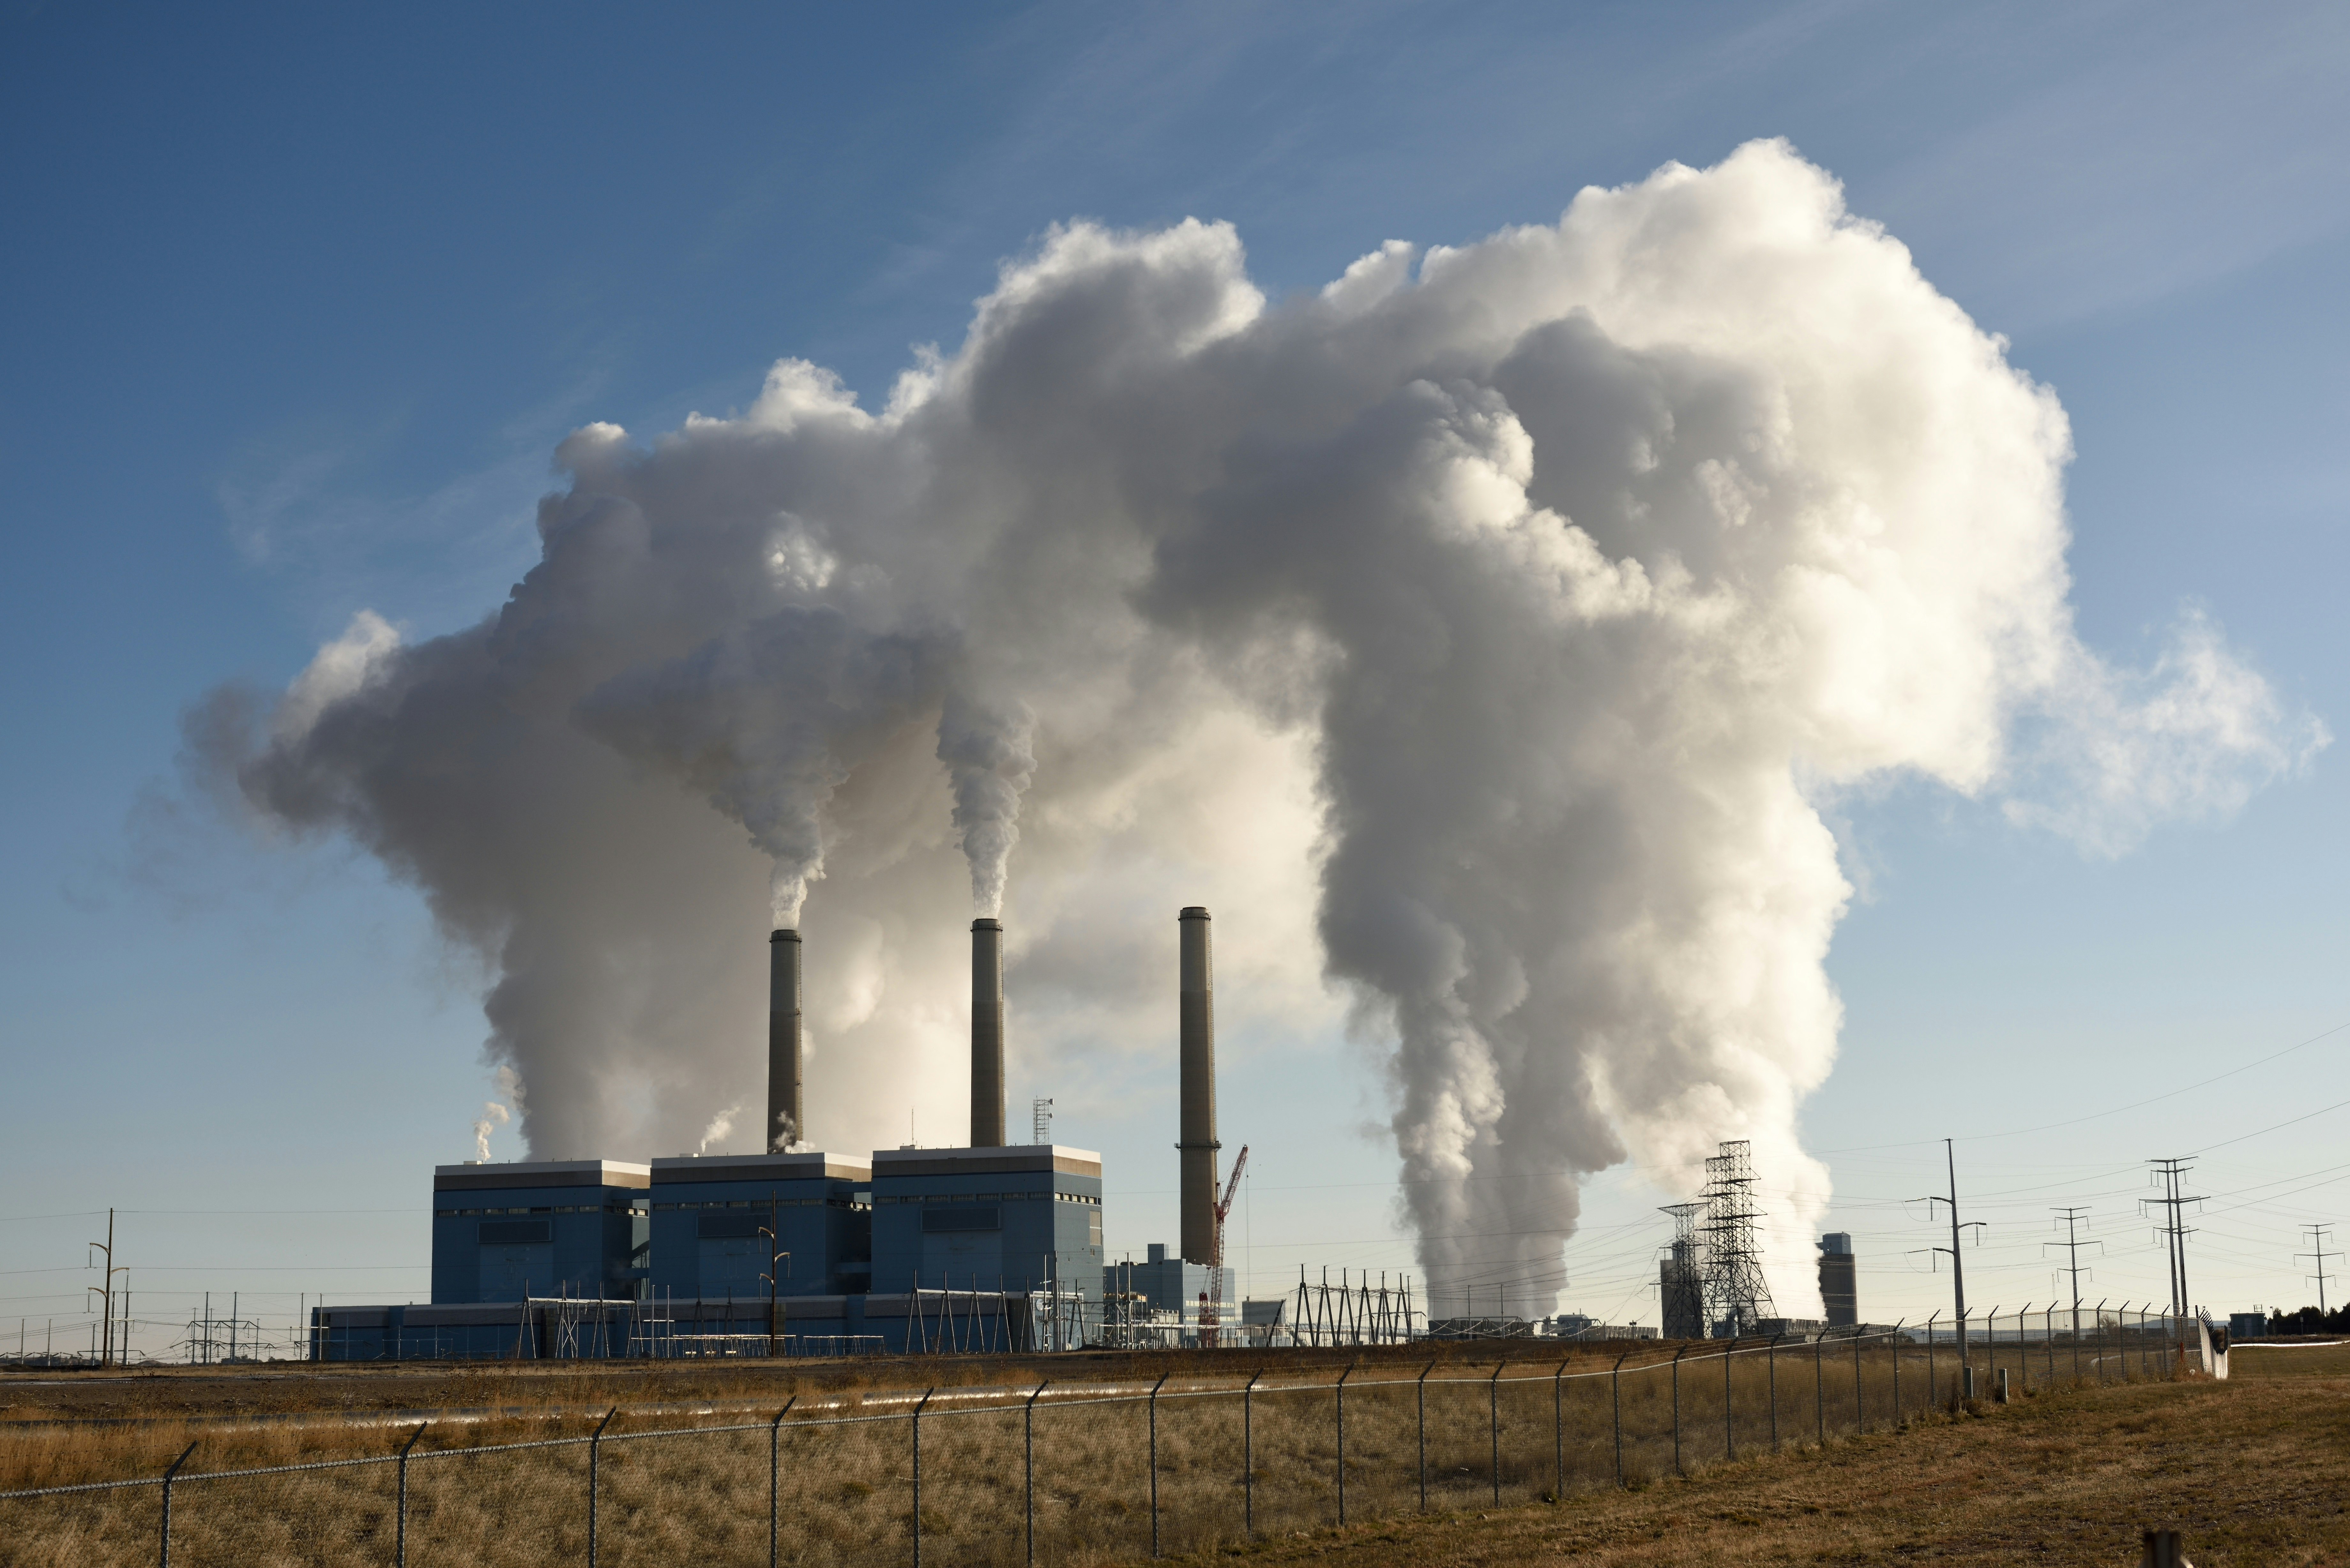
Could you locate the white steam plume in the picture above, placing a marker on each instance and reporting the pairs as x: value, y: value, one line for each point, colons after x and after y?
x: 494, y: 1117
x: 1497, y: 616
x: 721, y: 1126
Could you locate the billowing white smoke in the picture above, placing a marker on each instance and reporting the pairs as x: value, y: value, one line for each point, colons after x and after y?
x: 1512, y: 605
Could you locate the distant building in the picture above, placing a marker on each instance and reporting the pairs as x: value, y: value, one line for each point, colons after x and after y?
x: 540, y: 1227
x: 1839, y: 1283
x: 1802, y: 1328
x: 1575, y: 1325
x: 1479, y: 1328
x: 1166, y: 1284
x: 2248, y: 1325
x: 1680, y: 1290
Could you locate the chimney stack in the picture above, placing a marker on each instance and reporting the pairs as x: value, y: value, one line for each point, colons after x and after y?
x: 986, y: 1034
x: 1197, y: 996
x: 785, y: 1123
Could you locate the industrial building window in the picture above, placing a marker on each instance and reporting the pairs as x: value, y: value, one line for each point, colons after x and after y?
x: 728, y: 1227
x: 516, y: 1233
x: 961, y: 1220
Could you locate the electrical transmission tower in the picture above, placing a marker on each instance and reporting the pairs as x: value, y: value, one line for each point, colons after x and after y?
x: 1680, y: 1279
x: 2071, y: 1220
x: 2317, y: 1238
x: 2172, y: 1174
x: 1040, y: 1122
x: 1737, y: 1297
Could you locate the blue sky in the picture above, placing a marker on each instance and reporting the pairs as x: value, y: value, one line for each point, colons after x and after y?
x: 298, y: 301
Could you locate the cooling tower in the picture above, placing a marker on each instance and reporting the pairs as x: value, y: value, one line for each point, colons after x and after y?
x: 1197, y: 998
x: 986, y: 1034
x: 784, y: 1123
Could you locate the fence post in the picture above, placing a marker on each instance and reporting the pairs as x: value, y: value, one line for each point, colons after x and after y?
x: 1728, y: 1433
x: 917, y: 1474
x: 2048, y: 1339
x: 1494, y: 1402
x: 1859, y: 1411
x: 1154, y: 1388
x: 2101, y: 1342
x: 1616, y: 1397
x: 167, y: 1501
x: 1558, y: 1434
x: 400, y: 1528
x: 1895, y: 1343
x: 2022, y: 1358
x: 1423, y: 1434
x: 1677, y: 1409
x: 1820, y: 1386
x: 594, y: 1445
x: 1248, y: 1455
x: 1028, y: 1470
x: 1931, y: 1395
x: 1342, y: 1440
x: 1770, y: 1357
x: 775, y: 1474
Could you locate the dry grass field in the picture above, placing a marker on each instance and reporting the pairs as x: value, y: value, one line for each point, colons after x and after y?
x: 2255, y: 1470
x: 676, y: 1485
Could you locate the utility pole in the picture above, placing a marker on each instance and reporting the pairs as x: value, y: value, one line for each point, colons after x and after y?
x: 1958, y: 1270
x: 2071, y: 1220
x: 106, y: 1357
x: 775, y: 1256
x: 2172, y: 1173
x: 2317, y: 1234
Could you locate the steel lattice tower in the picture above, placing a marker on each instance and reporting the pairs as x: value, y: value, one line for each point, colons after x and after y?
x: 1737, y: 1297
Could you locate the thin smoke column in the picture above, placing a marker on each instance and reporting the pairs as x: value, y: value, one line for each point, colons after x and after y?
x: 1575, y: 577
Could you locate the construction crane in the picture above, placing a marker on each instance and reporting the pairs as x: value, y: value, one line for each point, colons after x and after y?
x: 1212, y: 1311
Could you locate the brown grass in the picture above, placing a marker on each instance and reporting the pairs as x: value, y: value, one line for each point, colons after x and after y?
x: 2255, y: 1471
x: 674, y: 1489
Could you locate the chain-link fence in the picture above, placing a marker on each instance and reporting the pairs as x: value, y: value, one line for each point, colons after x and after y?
x: 1072, y: 1472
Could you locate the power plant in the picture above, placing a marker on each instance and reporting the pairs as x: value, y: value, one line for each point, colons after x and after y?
x: 991, y: 1246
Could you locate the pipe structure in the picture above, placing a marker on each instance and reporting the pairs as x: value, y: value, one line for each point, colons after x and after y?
x: 986, y: 1033
x: 1196, y: 994
x: 785, y: 1123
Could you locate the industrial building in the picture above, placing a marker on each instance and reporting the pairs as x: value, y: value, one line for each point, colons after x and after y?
x: 551, y: 1228
x: 1839, y: 1283
x: 988, y: 1246
x: 1164, y: 1297
x: 721, y: 1224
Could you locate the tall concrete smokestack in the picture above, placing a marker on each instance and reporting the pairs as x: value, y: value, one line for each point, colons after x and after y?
x: 1197, y: 994
x: 986, y: 1034
x: 784, y: 1122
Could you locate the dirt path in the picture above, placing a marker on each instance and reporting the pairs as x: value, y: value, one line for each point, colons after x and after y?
x: 2256, y: 1471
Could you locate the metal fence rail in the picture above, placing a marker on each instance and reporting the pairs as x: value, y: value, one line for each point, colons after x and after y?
x: 1059, y: 1471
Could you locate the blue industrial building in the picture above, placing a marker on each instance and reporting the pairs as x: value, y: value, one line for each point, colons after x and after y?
x: 1020, y: 1219
x: 997, y: 1248
x: 713, y: 1217
x: 545, y: 1228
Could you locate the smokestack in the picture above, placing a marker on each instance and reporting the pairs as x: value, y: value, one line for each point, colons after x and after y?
x: 784, y: 1123
x: 986, y: 1034
x: 1197, y: 994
